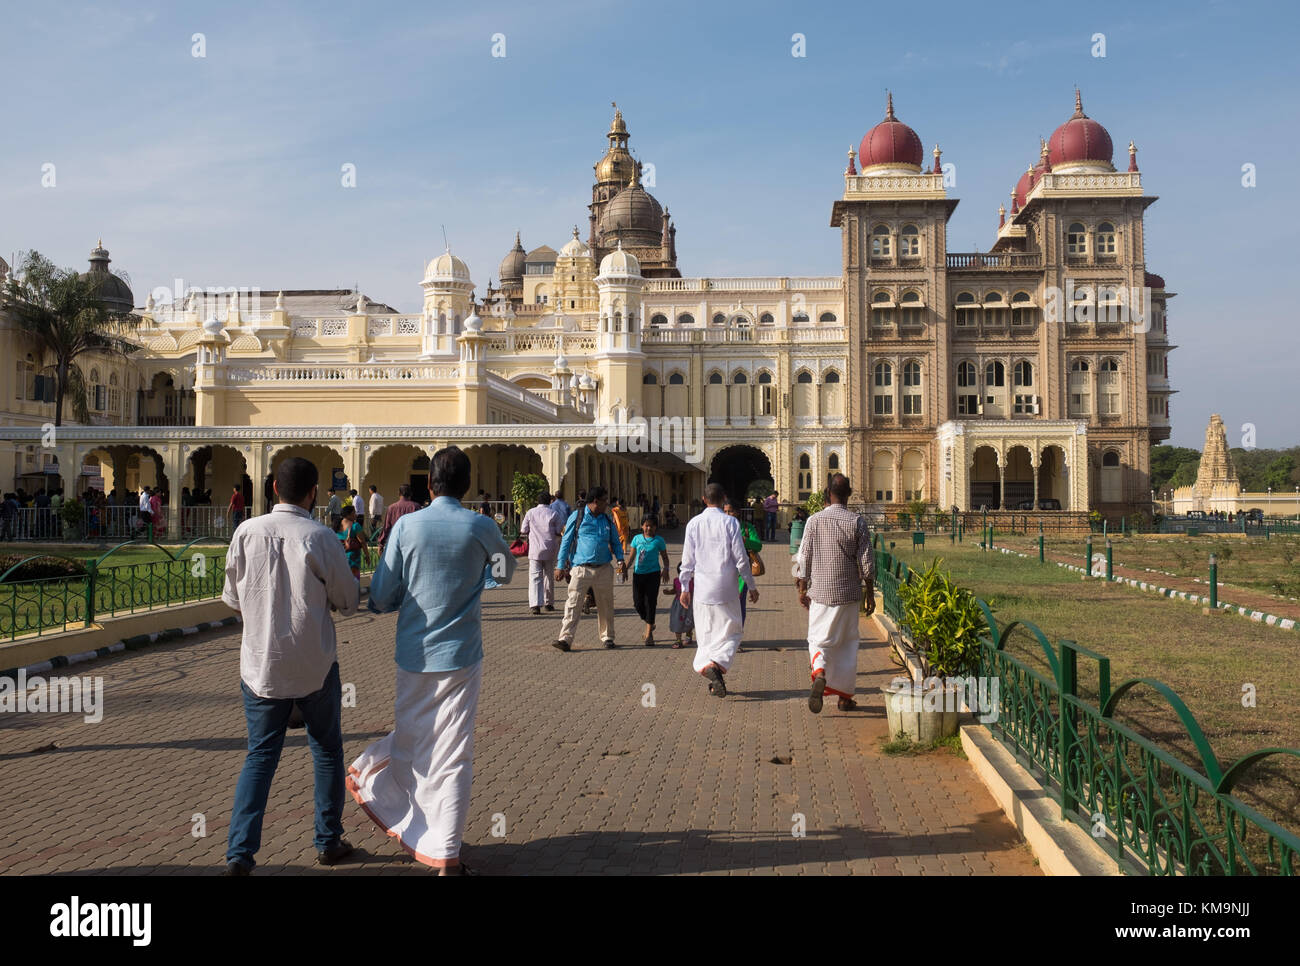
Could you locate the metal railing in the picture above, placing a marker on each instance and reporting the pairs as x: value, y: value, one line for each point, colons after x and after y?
x: 1159, y: 814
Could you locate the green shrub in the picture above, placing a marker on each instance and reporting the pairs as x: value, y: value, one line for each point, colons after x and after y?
x: 40, y: 568
x: 525, y: 488
x: 945, y: 622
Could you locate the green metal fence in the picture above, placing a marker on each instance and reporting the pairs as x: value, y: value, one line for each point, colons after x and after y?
x: 1151, y: 810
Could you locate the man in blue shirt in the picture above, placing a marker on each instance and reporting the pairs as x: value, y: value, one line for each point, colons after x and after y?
x: 415, y: 783
x: 561, y: 509
x: 587, y: 554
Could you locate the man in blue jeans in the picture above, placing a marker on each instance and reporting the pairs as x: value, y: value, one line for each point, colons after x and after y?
x: 284, y: 574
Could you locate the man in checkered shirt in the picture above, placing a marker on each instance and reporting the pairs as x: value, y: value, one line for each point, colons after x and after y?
x: 837, y: 572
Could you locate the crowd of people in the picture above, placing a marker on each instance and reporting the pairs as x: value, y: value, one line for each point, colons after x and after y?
x: 286, y: 574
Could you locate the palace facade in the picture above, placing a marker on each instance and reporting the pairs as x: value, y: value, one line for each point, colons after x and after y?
x: 1035, y: 371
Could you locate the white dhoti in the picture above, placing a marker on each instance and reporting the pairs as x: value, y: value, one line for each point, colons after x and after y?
x: 414, y: 783
x: 833, y: 640
x: 718, y: 629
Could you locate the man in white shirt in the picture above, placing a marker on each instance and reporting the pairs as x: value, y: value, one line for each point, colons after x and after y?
x: 713, y: 556
x: 376, y: 507
x: 542, y: 528
x: 146, y: 508
x: 284, y: 574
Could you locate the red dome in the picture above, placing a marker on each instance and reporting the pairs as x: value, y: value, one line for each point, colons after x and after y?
x: 1080, y: 139
x: 1027, y: 182
x: 891, y: 142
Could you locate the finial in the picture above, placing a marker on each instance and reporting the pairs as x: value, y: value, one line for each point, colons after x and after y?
x: 1042, y: 148
x: 1014, y: 207
x: 889, y: 106
x: 938, y: 169
x: 1132, y: 156
x: 1078, y: 103
x: 575, y: 231
x: 279, y: 301
x: 517, y: 242
x: 1002, y: 215
x: 100, y: 243
x: 852, y: 168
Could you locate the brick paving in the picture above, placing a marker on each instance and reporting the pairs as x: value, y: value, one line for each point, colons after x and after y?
x: 571, y: 764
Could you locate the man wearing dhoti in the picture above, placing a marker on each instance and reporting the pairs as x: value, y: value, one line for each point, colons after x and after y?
x: 837, y: 574
x: 713, y: 555
x: 415, y: 782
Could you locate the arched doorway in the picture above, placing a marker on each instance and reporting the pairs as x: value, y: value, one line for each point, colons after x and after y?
x: 736, y: 467
x: 328, y: 462
x: 1051, y: 476
x: 1018, y: 482
x: 391, y: 466
x: 984, y: 489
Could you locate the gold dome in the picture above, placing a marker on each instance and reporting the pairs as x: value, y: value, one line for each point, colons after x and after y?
x: 617, y: 165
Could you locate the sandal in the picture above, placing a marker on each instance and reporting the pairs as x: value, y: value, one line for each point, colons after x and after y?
x: 677, y: 645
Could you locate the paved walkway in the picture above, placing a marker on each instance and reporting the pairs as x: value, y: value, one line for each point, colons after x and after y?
x: 573, y: 768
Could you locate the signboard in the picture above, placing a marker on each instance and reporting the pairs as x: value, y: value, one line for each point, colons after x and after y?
x: 339, y: 480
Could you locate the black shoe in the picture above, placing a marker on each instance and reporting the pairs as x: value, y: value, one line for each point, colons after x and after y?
x: 549, y: 608
x: 236, y: 867
x: 815, y: 696
x: 535, y: 610
x: 561, y: 645
x: 338, y: 851
x: 296, y: 719
x: 611, y: 645
x: 717, y: 686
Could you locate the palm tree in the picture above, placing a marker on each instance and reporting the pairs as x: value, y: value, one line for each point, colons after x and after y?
x: 64, y: 313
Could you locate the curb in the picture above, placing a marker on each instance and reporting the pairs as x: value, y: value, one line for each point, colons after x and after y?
x: 1259, y: 616
x: 128, y: 644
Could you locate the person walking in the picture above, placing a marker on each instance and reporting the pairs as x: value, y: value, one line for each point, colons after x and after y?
x: 619, y: 512
x: 146, y: 508
x: 358, y: 503
x: 375, y: 516
x: 401, y: 508
x: 587, y: 551
x: 714, y: 557
x: 352, y: 536
x: 335, y: 510
x: 415, y: 782
x: 680, y: 619
x: 542, y: 528
x: 284, y: 574
x: 837, y: 572
x: 648, y: 557
x: 769, y: 508
x: 235, y: 509
x: 750, y: 540
x: 560, y: 509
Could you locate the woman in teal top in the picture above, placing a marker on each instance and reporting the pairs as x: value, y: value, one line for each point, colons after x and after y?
x: 350, y: 530
x: 650, y: 570
x: 752, y: 542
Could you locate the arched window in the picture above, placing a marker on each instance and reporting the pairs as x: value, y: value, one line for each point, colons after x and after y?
x: 882, y: 308
x: 880, y: 242
x: 685, y: 319
x: 828, y: 318
x: 967, y: 309
x: 1022, y: 312
x: 1105, y: 238
x: 764, y: 378
x: 992, y: 297
x: 911, y: 388
x: 715, y: 378
x: 676, y: 379
x: 833, y: 462
x: 804, y: 376
x: 649, y: 379
x: 966, y: 375
x: 805, y: 462
x: 1080, y: 388
x: 766, y: 394
x: 831, y: 376
x: 1024, y: 374
x: 909, y: 242
x: 1026, y: 403
x: 719, y: 319
x: 882, y: 395
x: 800, y: 317
x: 98, y: 393
x: 1108, y: 388
x: 910, y: 308
x: 658, y: 319
x: 766, y: 319
x: 995, y: 374
x: 805, y: 476
x: 739, y: 379
x: 1076, y: 239
x: 1110, y: 458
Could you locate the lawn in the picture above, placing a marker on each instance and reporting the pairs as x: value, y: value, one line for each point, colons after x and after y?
x: 1206, y: 659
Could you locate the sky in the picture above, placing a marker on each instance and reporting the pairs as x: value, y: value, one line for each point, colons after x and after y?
x: 226, y: 169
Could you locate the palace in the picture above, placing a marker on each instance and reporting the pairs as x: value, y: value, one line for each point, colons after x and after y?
x: 1009, y: 378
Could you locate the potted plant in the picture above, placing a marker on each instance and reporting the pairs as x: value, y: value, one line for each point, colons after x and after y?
x: 72, y: 513
x: 944, y: 622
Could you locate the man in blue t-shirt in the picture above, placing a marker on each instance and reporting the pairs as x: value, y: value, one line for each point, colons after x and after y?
x: 588, y: 550
x: 649, y: 558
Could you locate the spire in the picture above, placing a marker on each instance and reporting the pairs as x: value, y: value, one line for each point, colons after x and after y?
x: 852, y: 168
x: 1044, y: 154
x: 1132, y: 156
x: 1078, y: 103
x: 1002, y: 215
x: 938, y: 168
x: 1014, y: 207
x: 889, y: 106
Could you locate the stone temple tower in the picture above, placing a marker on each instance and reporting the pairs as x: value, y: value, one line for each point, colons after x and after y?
x: 1216, y: 471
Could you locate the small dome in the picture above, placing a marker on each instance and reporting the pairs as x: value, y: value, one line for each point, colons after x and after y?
x: 447, y: 268
x: 1081, y: 141
x: 1155, y: 282
x: 891, y: 144
x: 473, y: 323
x: 561, y: 362
x: 1031, y: 176
x: 212, y: 326
x: 511, y: 269
x: 575, y: 247
x: 114, y: 291
x: 634, y: 216
x: 619, y: 262
x: 586, y: 382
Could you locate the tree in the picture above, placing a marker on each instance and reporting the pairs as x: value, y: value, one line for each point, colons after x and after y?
x: 525, y: 488
x: 1165, y: 461
x: 62, y: 312
x: 1185, y: 475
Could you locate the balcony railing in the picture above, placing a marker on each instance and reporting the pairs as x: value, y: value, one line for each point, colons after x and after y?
x: 734, y: 335
x: 994, y: 261
x: 824, y: 283
x: 290, y: 374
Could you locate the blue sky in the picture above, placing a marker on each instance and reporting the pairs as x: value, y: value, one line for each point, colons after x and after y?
x: 225, y: 170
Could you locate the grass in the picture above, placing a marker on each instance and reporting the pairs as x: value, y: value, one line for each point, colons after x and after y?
x: 903, y: 745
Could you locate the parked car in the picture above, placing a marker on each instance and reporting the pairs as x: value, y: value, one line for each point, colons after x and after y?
x: 1044, y: 503
x: 1255, y: 515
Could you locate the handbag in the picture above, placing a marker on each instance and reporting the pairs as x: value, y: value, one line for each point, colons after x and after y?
x: 519, y: 548
x: 756, y: 563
